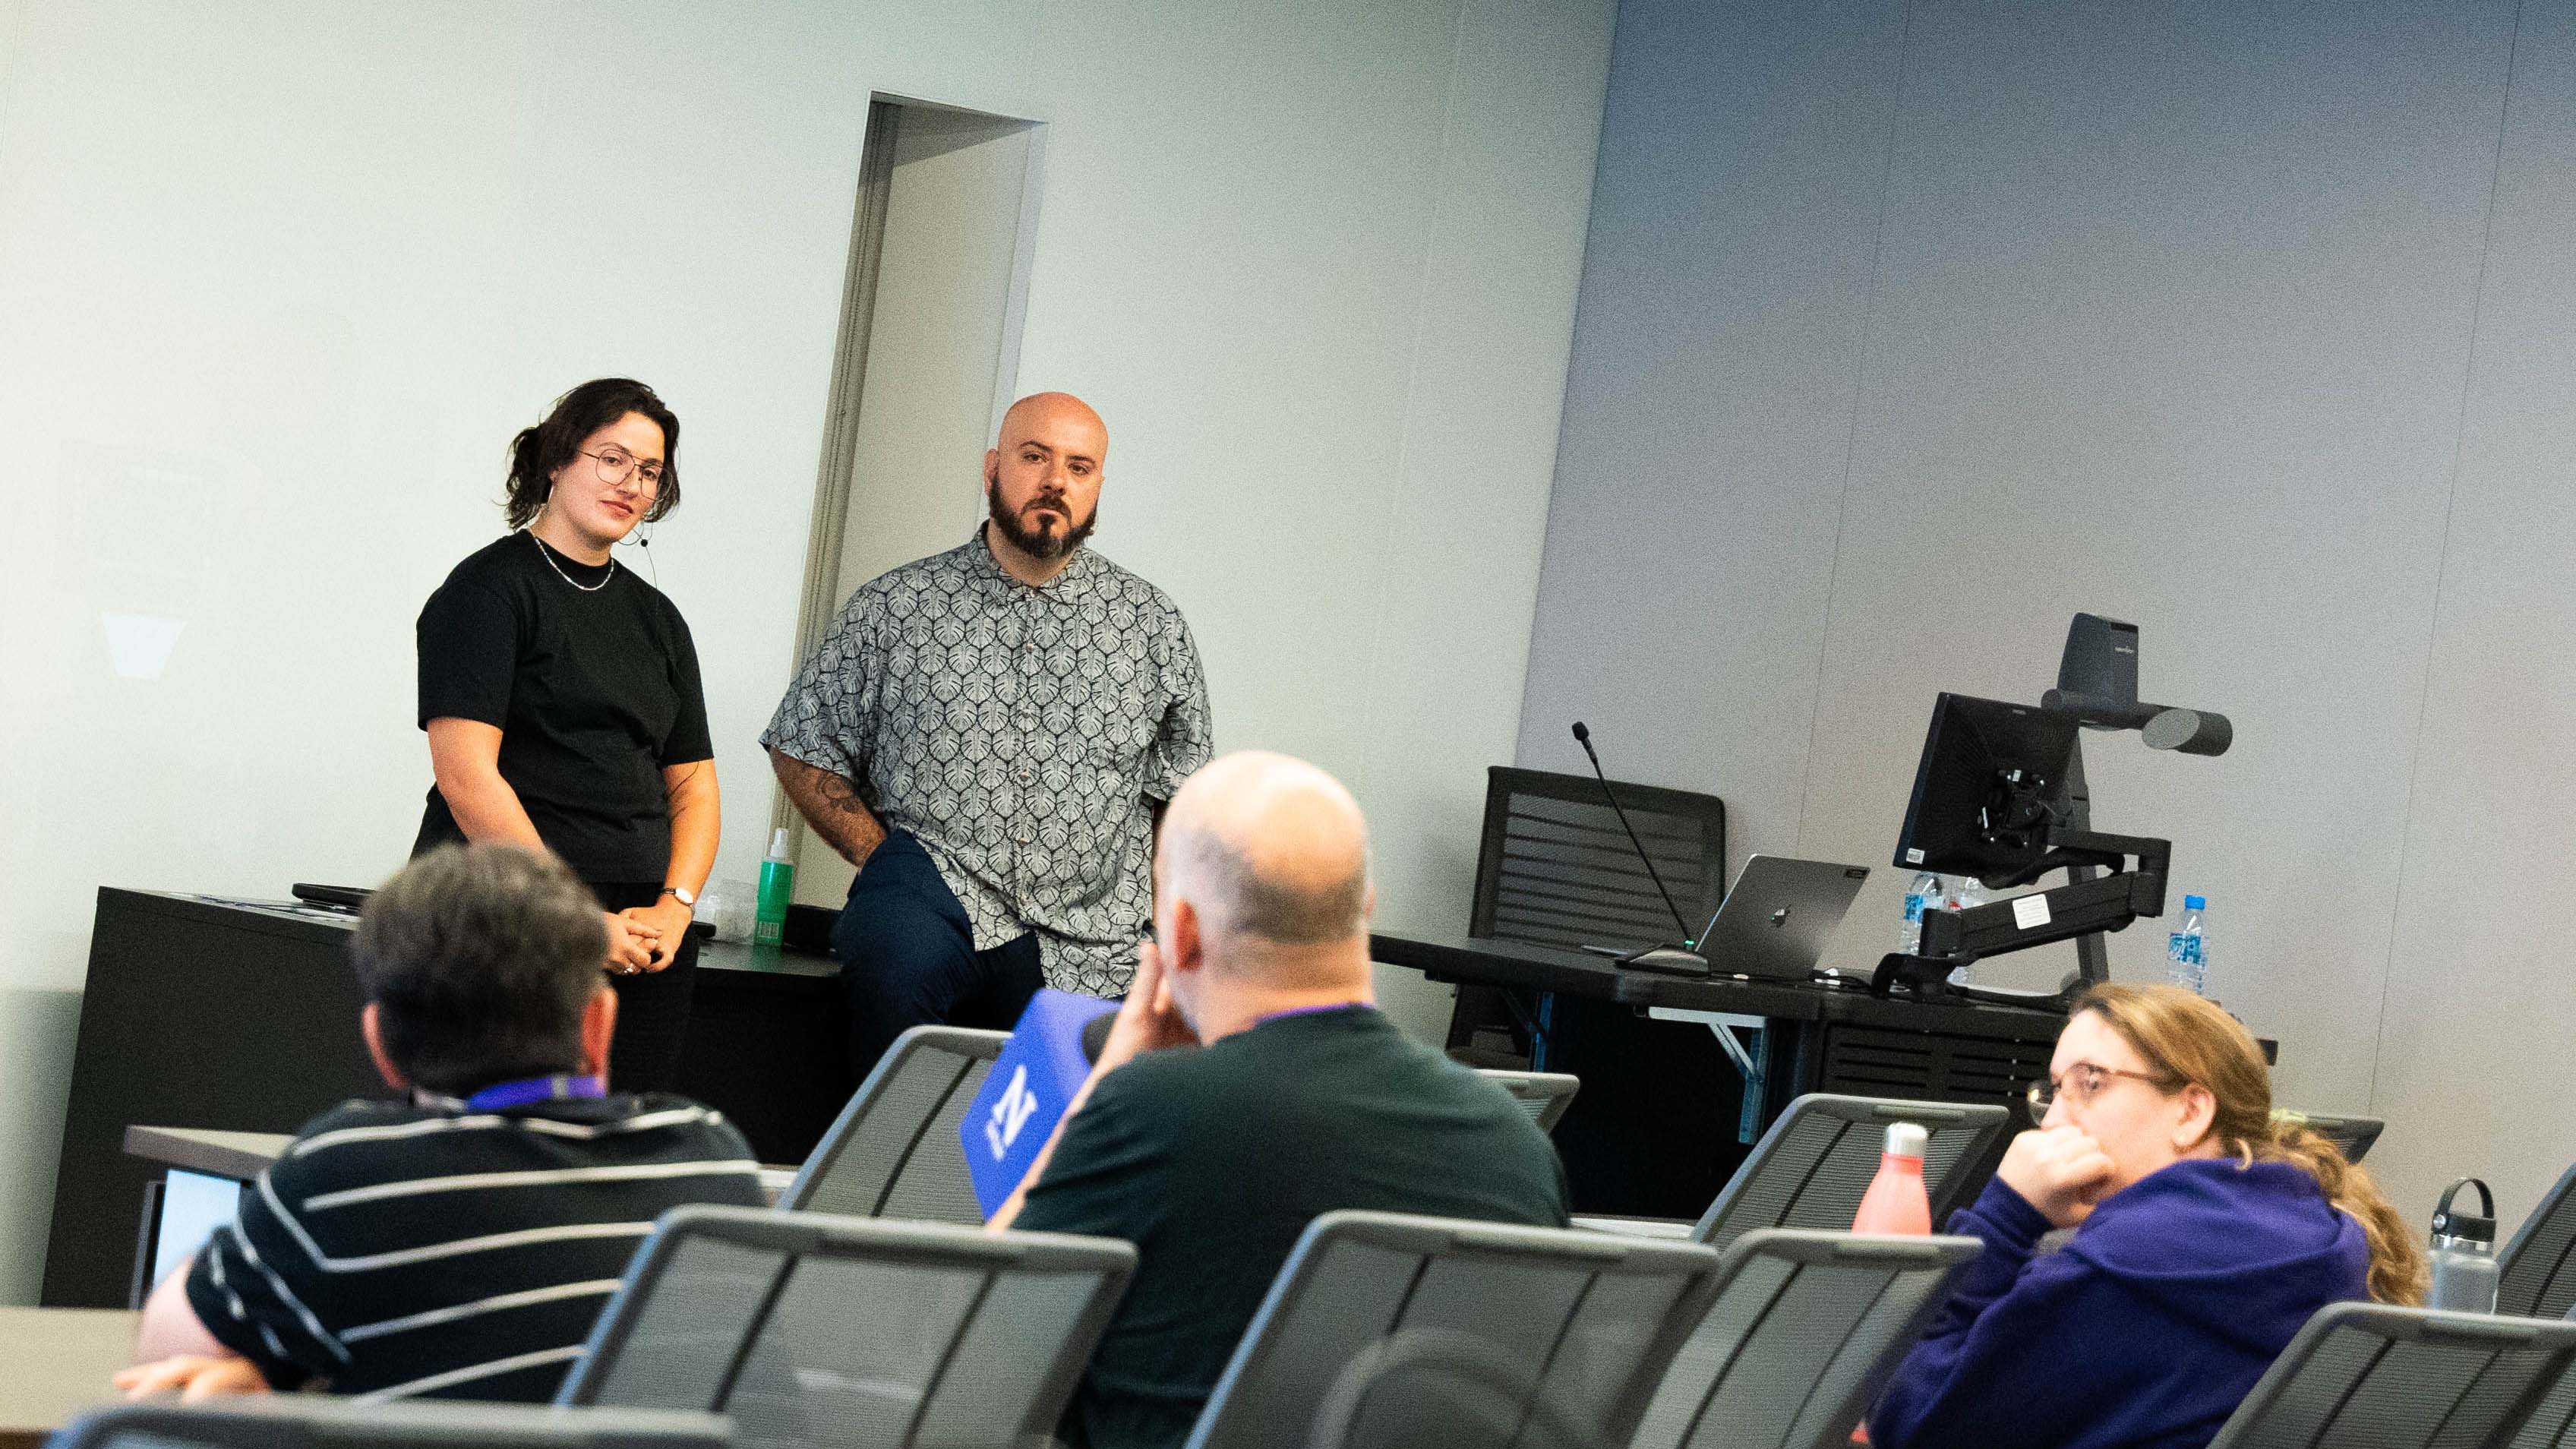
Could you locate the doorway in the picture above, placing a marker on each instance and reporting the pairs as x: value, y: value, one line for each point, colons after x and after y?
x: 925, y: 366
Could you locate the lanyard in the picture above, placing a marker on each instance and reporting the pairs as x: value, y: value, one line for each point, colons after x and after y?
x: 556, y: 1088
x: 1312, y: 1010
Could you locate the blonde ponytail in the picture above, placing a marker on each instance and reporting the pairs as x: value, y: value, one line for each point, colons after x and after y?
x: 2398, y: 1272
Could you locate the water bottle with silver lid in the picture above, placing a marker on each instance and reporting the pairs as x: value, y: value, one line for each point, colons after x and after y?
x: 1895, y: 1201
x: 2464, y: 1262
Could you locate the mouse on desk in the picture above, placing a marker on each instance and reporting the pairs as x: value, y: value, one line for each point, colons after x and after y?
x: 1668, y: 958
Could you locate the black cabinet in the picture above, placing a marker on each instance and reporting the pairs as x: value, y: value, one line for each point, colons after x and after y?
x: 208, y: 1013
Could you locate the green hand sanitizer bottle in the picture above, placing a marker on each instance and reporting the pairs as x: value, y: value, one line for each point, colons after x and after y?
x: 777, y: 888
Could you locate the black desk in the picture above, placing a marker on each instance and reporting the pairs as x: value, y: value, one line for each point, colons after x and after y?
x: 1667, y: 1110
x: 202, y: 1013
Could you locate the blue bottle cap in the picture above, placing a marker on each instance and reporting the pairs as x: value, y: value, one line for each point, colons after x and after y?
x: 2194, y: 903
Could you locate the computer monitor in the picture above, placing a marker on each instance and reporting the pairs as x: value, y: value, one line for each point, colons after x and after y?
x: 1991, y: 786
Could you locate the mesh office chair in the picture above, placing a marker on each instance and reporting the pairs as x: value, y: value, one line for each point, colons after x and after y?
x: 2536, y: 1277
x: 857, y: 1333
x: 2352, y: 1136
x: 280, y: 1421
x: 1806, y: 1328
x: 1556, y: 869
x: 2553, y: 1424
x: 2369, y: 1376
x: 1810, y: 1169
x: 893, y: 1152
x: 1567, y: 1334
x: 1544, y: 1095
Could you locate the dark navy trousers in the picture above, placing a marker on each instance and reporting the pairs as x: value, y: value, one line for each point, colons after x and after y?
x: 908, y: 956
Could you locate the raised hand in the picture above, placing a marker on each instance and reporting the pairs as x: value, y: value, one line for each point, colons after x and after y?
x: 2061, y: 1171
x: 1147, y: 1020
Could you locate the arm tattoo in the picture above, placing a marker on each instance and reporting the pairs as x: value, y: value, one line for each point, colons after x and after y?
x: 843, y: 795
x: 831, y: 804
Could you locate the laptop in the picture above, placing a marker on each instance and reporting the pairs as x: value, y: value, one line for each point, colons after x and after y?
x: 1775, y: 922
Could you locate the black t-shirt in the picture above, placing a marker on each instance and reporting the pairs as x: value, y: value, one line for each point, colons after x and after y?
x: 1213, y: 1161
x: 593, y: 694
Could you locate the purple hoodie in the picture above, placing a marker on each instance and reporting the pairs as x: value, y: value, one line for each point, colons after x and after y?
x: 2143, y: 1332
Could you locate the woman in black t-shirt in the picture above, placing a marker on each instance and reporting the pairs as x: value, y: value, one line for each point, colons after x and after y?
x: 561, y: 697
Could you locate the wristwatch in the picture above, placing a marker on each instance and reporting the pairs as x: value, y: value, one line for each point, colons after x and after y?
x: 684, y: 895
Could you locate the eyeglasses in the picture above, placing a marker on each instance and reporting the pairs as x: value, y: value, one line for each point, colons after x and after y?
x: 2082, y: 1083
x: 616, y: 463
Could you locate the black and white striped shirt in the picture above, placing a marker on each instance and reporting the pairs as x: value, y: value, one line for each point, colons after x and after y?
x: 402, y: 1251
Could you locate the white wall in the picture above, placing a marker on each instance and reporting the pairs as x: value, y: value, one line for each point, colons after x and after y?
x: 1908, y: 330
x: 280, y: 280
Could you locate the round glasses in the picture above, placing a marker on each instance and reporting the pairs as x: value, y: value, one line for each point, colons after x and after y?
x: 615, y: 464
x: 2081, y: 1083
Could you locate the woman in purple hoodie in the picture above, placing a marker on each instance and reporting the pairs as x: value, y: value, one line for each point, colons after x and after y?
x: 2206, y: 1233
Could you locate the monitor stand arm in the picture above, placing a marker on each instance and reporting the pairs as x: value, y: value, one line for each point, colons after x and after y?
x: 2086, y: 907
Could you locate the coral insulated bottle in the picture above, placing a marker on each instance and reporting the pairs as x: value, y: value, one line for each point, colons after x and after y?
x: 1896, y: 1202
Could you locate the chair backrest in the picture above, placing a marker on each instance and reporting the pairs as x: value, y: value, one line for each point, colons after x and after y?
x: 2536, y: 1271
x: 858, y: 1333
x: 1544, y: 1095
x: 1556, y: 869
x: 279, y: 1421
x: 2370, y: 1376
x: 1806, y: 1328
x: 1571, y: 1331
x: 2553, y: 1424
x: 893, y: 1152
x: 2352, y: 1136
x: 1810, y: 1169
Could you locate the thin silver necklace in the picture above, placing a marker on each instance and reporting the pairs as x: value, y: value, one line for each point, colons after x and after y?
x: 549, y: 556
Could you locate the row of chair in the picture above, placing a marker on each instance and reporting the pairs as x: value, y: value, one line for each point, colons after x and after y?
x: 1766, y: 1328
x: 1384, y: 1324
x: 1382, y: 1329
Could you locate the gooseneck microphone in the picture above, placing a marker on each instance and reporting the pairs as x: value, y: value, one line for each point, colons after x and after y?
x: 1583, y: 737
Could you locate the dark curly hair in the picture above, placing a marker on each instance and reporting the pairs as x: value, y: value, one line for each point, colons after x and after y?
x: 537, y: 452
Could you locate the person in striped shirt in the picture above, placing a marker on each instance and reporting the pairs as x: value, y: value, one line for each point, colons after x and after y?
x: 458, y: 1245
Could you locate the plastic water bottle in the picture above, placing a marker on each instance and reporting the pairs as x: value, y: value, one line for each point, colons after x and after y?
x: 1896, y: 1202
x: 1923, y: 895
x: 2464, y: 1262
x: 2187, y: 950
x: 777, y: 888
x: 1966, y: 894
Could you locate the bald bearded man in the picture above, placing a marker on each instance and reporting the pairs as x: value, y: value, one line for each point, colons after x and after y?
x: 1248, y: 1086
x: 989, y: 734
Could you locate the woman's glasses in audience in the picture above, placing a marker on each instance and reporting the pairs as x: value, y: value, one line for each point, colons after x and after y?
x: 2080, y: 1084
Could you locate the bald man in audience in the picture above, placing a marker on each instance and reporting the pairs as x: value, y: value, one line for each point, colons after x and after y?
x: 1249, y: 1085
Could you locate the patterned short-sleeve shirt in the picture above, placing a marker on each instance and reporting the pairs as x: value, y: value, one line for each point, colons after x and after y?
x: 1022, y: 734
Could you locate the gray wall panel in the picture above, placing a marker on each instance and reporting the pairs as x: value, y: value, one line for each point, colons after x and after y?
x: 2473, y: 1058
x: 1708, y: 411
x: 2171, y: 324
x: 2170, y: 318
